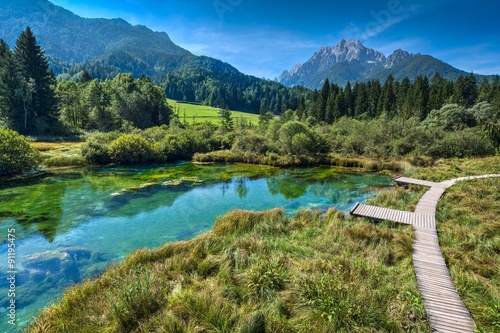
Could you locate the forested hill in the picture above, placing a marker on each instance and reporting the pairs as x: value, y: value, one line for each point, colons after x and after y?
x: 105, y: 48
x: 71, y: 38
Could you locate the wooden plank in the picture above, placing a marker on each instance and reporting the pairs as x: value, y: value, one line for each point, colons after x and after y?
x: 405, y: 181
x: 445, y: 308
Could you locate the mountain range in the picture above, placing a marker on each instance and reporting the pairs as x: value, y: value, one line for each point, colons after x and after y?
x: 106, y: 47
x: 351, y: 61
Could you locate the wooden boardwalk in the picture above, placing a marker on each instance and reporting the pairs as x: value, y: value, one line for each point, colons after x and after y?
x: 445, y: 309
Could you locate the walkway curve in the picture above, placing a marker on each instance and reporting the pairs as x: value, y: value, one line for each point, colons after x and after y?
x: 445, y: 309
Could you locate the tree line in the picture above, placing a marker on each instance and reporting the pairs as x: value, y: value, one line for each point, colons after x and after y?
x: 33, y: 103
x: 405, y: 99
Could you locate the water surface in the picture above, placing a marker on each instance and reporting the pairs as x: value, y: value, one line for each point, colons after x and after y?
x: 71, y: 225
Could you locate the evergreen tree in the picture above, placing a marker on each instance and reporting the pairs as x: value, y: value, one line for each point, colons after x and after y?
x: 388, y: 98
x: 340, y: 106
x: 348, y: 100
x: 323, y: 100
x: 420, y: 97
x: 361, y: 99
x: 86, y: 77
x: 466, y: 91
x: 403, y: 104
x: 9, y: 89
x: 436, y: 95
x: 471, y: 90
x: 39, y: 102
x: 227, y: 122
x: 330, y: 109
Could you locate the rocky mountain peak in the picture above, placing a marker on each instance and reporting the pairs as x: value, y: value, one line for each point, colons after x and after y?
x: 349, y: 50
x: 396, y: 57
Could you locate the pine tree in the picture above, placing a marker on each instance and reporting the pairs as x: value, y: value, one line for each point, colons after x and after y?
x: 227, y: 122
x: 471, y: 92
x: 485, y: 91
x: 323, y: 100
x: 436, y: 93
x: 349, y: 100
x: 388, y: 98
x: 9, y: 88
x: 420, y: 97
x: 39, y: 103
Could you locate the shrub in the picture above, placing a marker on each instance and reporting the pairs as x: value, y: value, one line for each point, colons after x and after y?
x: 466, y: 143
x: 253, y: 143
x: 16, y: 154
x: 95, y: 150
x: 297, y: 138
x: 132, y: 149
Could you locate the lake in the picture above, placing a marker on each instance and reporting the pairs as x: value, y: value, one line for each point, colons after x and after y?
x: 72, y: 224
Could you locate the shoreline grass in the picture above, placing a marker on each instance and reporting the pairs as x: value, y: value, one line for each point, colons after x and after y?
x: 256, y: 272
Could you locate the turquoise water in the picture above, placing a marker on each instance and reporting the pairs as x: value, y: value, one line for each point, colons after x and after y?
x: 71, y: 225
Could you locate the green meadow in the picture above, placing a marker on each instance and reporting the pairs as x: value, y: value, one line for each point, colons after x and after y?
x: 194, y: 113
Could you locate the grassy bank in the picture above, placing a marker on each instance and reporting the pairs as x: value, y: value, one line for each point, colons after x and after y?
x: 256, y: 272
x: 60, y: 154
x: 273, y: 159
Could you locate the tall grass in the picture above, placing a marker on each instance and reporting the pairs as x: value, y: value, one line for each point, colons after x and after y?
x: 256, y: 272
x: 468, y: 222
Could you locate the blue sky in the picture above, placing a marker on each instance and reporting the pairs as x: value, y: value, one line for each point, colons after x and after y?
x: 265, y: 37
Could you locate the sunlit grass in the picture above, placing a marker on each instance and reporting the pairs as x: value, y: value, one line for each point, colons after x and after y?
x: 192, y: 113
x: 256, y: 272
x: 60, y: 154
x: 468, y: 222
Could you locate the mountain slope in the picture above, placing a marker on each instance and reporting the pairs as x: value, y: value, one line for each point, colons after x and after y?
x: 106, y: 48
x: 351, y: 61
x: 71, y: 38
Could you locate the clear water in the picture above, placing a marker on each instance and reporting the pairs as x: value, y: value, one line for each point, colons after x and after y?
x: 71, y: 225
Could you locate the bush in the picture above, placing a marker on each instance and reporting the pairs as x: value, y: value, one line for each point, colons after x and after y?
x: 132, y: 149
x: 466, y: 143
x: 16, y: 154
x: 96, y: 149
x: 252, y: 143
x: 297, y: 138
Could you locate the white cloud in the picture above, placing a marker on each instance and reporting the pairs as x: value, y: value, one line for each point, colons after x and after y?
x: 381, y: 20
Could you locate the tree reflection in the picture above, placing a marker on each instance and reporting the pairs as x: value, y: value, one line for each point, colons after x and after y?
x: 241, y: 188
x: 287, y: 186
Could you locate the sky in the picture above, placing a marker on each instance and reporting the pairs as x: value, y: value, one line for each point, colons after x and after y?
x: 265, y: 37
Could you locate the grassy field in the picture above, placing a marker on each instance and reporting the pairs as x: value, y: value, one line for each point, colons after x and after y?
x: 201, y: 113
